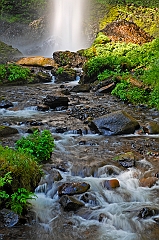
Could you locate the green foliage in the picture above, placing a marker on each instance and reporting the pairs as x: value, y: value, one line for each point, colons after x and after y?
x: 23, y: 168
x: 14, y: 73
x: 40, y: 145
x: 126, y: 92
x: 97, y: 65
x: 17, y: 201
x: 60, y: 70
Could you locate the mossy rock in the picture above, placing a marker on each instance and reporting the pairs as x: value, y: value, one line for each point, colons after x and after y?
x: 6, y: 131
x: 8, y: 53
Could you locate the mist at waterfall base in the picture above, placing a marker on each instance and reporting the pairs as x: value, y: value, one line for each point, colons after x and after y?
x: 67, y: 28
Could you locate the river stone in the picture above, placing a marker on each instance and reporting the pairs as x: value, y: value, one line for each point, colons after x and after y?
x: 115, y: 123
x: 9, y: 218
x: 70, y: 203
x: 148, y: 182
x: 37, y: 61
x: 110, y: 184
x: 5, y: 104
x: 55, y: 101
x: 73, y: 188
x: 6, y: 131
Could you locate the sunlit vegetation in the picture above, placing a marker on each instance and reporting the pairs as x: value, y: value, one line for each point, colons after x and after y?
x: 10, y: 73
x: 123, y: 61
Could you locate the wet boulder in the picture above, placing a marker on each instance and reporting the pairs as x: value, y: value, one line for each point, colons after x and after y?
x: 64, y: 75
x: 73, y: 188
x: 55, y: 101
x: 70, y: 203
x: 126, y: 159
x: 115, y: 123
x: 147, y: 212
x: 7, y: 131
x: 110, y: 184
x: 148, y: 182
x: 44, y: 77
x: 5, y: 104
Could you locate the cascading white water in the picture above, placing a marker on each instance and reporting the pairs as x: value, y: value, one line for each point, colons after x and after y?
x: 68, y: 24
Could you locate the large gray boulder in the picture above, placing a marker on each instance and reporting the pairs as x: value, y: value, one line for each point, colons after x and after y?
x: 115, y: 123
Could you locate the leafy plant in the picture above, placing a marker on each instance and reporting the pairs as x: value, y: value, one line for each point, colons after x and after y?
x: 14, y: 73
x: 17, y: 201
x: 60, y: 70
x: 40, y: 145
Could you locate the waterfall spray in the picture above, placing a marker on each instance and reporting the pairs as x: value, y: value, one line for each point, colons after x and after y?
x: 68, y: 24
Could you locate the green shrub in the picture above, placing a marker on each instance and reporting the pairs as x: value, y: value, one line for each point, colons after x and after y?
x: 40, y: 145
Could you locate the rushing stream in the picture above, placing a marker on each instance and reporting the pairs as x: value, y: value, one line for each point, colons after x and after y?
x: 85, y: 157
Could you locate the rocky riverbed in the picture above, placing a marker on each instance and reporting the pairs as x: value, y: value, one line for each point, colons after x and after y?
x: 81, y: 154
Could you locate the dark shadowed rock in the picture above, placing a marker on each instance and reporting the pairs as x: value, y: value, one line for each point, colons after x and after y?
x: 43, y: 107
x: 55, y: 101
x: 73, y: 188
x: 6, y: 131
x: 70, y: 203
x: 66, y: 75
x: 81, y: 88
x: 5, y: 104
x: 67, y: 58
x: 115, y: 123
x: 147, y: 212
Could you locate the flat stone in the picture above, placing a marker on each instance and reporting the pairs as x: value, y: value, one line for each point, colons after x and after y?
x: 73, y: 188
x: 70, y: 203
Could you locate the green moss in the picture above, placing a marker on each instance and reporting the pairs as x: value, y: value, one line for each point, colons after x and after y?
x: 24, y: 169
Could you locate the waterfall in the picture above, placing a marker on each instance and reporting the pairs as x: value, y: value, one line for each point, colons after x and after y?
x: 67, y: 25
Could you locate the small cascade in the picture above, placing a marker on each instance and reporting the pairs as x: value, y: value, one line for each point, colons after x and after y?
x: 107, y: 214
